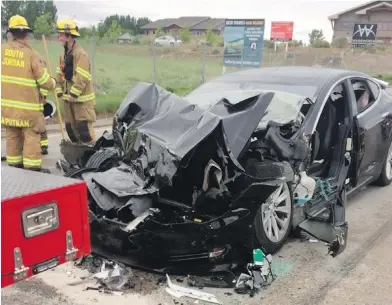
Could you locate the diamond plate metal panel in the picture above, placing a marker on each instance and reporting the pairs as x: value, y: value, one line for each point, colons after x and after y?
x: 17, y: 182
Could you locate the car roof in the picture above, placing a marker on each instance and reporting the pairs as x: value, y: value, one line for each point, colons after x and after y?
x: 316, y: 76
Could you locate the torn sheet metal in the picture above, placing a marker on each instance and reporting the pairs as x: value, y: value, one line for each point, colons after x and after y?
x: 105, y: 200
x: 178, y: 292
x: 138, y: 220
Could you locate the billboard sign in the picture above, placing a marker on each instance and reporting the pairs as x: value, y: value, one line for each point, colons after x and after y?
x: 282, y: 30
x: 363, y: 34
x: 243, y: 42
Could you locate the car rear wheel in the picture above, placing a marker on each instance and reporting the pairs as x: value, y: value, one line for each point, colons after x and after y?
x: 386, y: 172
x: 273, y: 221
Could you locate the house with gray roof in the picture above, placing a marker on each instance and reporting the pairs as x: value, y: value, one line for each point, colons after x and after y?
x: 125, y: 38
x: 216, y: 25
x: 373, y: 12
x: 197, y: 25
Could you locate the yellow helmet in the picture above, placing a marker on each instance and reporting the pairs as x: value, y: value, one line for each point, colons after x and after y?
x: 67, y: 26
x: 18, y: 22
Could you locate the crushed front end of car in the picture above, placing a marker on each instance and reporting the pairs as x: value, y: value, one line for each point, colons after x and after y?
x: 171, y: 186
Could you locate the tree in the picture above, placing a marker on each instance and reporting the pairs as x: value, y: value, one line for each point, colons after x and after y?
x: 10, y: 8
x: 159, y: 32
x: 85, y: 32
x: 321, y: 44
x: 297, y: 43
x: 51, y: 8
x: 127, y: 22
x: 44, y: 25
x: 185, y: 35
x: 340, y: 43
x: 113, y: 32
x: 316, y: 35
x: 141, y: 22
x: 31, y: 10
x: 211, y: 37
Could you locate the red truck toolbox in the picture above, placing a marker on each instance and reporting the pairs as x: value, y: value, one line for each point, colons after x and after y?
x: 44, y: 222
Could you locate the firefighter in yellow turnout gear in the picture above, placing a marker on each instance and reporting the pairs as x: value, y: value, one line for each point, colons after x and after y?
x: 23, y: 73
x: 75, y: 86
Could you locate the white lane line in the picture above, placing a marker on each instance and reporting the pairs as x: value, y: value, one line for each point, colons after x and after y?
x: 97, y: 130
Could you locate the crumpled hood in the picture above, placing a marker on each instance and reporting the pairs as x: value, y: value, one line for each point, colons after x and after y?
x: 180, y: 126
x: 165, y: 128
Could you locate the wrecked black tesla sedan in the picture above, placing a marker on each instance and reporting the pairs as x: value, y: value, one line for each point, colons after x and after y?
x: 236, y: 164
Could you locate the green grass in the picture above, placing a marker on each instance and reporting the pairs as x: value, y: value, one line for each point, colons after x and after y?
x: 386, y: 77
x: 117, y: 68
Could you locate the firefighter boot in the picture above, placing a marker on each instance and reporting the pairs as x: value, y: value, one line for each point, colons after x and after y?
x: 44, y: 143
x: 36, y: 169
x: 44, y: 150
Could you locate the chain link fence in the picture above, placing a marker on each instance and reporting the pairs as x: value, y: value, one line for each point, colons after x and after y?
x: 115, y: 67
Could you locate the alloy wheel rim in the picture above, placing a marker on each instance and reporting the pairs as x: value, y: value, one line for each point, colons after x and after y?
x: 388, y: 165
x: 276, y: 213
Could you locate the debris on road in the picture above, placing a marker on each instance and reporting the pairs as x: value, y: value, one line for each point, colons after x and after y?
x: 178, y: 292
x: 225, y: 280
x: 111, y: 277
x: 259, y: 274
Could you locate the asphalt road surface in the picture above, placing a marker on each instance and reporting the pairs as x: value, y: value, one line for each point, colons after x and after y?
x: 306, y: 275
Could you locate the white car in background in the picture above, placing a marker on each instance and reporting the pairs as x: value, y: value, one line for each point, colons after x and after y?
x: 167, y: 41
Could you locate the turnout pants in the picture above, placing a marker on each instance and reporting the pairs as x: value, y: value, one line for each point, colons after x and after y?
x: 44, y: 139
x: 23, y: 147
x: 79, y: 120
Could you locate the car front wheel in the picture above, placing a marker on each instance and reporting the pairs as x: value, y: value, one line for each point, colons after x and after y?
x: 274, y: 219
x: 386, y: 172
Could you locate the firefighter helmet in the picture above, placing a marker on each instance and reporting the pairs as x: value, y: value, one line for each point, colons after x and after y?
x: 19, y: 23
x: 67, y: 26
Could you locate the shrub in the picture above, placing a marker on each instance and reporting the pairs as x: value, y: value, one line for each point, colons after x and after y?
x: 371, y: 49
x: 212, y: 39
x: 185, y: 35
x: 136, y: 40
x: 320, y: 44
x: 340, y: 43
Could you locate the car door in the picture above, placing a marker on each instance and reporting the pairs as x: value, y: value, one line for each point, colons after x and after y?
x: 368, y: 125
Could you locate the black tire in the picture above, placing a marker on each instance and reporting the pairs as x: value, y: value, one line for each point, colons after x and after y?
x: 261, y: 236
x: 383, y: 179
x: 103, y: 159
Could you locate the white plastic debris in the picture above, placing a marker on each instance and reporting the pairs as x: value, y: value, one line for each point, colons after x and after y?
x: 114, y: 279
x: 178, y: 292
x: 304, y: 189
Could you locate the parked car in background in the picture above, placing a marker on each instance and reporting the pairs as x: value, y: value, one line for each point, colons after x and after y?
x: 167, y: 41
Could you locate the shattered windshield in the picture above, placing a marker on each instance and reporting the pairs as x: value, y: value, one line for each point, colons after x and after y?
x: 284, y: 107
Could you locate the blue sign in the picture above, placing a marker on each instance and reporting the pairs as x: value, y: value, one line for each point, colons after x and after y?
x: 243, y: 42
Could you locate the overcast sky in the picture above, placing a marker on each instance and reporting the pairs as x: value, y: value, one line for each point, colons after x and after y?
x: 306, y: 14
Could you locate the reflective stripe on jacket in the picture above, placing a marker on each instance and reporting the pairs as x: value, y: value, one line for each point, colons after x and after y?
x: 23, y: 74
x: 81, y: 85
